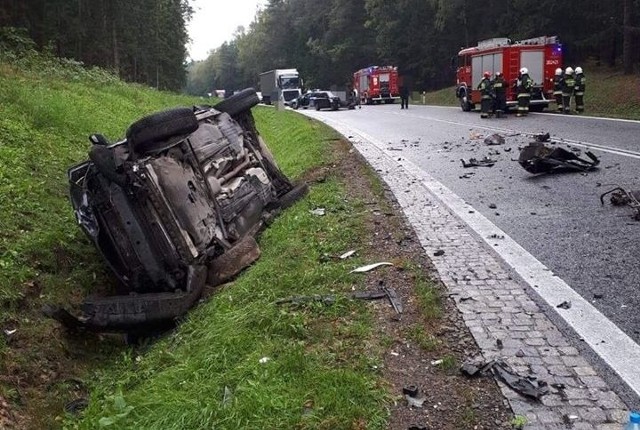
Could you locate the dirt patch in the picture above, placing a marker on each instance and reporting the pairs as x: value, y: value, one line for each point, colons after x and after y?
x: 428, y: 343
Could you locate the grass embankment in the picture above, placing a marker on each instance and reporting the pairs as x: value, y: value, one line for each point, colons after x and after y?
x: 238, y: 360
x: 609, y: 93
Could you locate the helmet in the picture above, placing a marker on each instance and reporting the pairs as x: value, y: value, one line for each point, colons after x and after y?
x: 568, y: 71
x: 578, y: 70
x: 498, y: 73
x: 487, y: 74
x: 524, y: 71
x: 558, y: 71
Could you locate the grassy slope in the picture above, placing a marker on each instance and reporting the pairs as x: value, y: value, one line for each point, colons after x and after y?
x: 320, y: 359
x: 609, y: 94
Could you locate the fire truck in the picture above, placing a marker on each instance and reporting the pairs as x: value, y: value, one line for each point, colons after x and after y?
x: 540, y: 55
x: 377, y: 84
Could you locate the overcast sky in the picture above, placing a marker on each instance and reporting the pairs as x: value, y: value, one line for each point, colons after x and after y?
x: 215, y: 21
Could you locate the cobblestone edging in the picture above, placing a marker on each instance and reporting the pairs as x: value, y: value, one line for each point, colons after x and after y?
x: 495, y: 307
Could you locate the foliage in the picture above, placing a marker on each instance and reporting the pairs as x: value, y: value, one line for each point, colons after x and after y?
x: 327, y: 41
x: 142, y: 41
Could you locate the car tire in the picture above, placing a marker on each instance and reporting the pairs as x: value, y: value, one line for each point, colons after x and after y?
x: 464, y: 102
x: 317, y: 107
x: 152, y: 133
x: 238, y: 103
x: 297, y: 192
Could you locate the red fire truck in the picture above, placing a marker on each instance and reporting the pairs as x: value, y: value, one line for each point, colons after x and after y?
x: 377, y: 84
x: 540, y: 55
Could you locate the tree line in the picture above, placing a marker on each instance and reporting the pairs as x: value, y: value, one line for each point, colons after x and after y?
x: 145, y: 40
x: 328, y: 40
x: 142, y: 41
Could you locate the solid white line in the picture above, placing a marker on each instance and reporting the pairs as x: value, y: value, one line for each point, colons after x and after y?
x: 615, y: 348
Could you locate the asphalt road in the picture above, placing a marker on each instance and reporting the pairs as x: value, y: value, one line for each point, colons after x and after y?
x: 557, y: 218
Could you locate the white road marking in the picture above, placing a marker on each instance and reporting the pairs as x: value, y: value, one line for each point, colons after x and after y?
x: 615, y: 348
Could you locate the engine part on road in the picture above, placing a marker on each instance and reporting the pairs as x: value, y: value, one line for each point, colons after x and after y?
x: 539, y: 158
x: 622, y: 197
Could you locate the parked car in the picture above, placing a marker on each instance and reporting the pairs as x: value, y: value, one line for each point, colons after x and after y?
x: 318, y: 100
x: 174, y: 206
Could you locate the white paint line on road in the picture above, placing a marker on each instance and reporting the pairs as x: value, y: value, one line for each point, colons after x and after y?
x: 615, y: 348
x: 588, y: 145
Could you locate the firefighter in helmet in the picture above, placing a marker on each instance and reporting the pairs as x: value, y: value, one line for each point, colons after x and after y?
x: 557, y: 88
x: 486, y: 101
x: 499, y: 86
x: 568, y: 88
x: 579, y: 89
x: 523, y: 87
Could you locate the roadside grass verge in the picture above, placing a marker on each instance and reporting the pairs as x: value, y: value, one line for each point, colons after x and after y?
x: 295, y: 365
x: 609, y: 93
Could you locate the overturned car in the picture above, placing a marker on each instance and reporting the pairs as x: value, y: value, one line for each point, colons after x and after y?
x: 174, y: 206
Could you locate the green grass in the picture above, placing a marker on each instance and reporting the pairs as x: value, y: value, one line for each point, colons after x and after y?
x: 609, y: 93
x: 322, y: 360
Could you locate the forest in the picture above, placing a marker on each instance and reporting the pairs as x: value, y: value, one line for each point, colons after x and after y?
x: 328, y: 40
x: 141, y: 41
x: 145, y: 40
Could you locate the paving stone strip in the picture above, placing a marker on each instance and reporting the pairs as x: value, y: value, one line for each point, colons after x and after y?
x: 497, y: 308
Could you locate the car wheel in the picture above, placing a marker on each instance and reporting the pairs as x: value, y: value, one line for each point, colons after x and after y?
x: 296, y: 193
x: 464, y: 102
x: 317, y: 107
x: 238, y: 103
x: 152, y: 133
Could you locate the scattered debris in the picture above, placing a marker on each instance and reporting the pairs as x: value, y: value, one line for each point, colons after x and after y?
x: 76, y: 406
x: 598, y: 296
x: 347, y: 254
x: 411, y: 394
x: 494, y: 139
x: 507, y: 149
x: 485, y: 162
x: 263, y: 360
x: 227, y: 397
x: 499, y: 344
x: 466, y: 175
x: 621, y: 197
x: 495, y: 235
x: 369, y: 267
x: 539, y: 158
x: 329, y: 299
x: 10, y: 333
x: 411, y: 390
x: 436, y: 362
x: 542, y: 137
x: 318, y: 212
x: 493, y: 206
x: 439, y: 252
x: 564, y: 305
x: 525, y: 385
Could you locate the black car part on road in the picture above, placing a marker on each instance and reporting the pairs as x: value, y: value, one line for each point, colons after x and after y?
x: 174, y: 206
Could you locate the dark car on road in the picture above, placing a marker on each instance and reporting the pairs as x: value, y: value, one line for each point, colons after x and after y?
x: 318, y: 100
x: 174, y: 206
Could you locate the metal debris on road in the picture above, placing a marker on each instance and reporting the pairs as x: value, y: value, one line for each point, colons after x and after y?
x: 621, y: 197
x: 485, y: 162
x: 564, y: 305
x: 542, y: 137
x: 528, y: 386
x: 439, y: 252
x: 494, y: 139
x: 539, y: 158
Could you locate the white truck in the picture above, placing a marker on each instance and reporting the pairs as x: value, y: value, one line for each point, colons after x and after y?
x: 280, y: 85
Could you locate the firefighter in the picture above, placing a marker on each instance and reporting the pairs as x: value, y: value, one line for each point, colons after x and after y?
x: 568, y: 88
x: 523, y: 87
x: 404, y: 97
x: 499, y: 86
x: 486, y: 101
x: 579, y: 89
x: 557, y: 88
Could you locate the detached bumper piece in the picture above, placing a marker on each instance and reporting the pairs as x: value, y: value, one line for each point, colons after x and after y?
x: 134, y: 312
x: 539, y: 158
